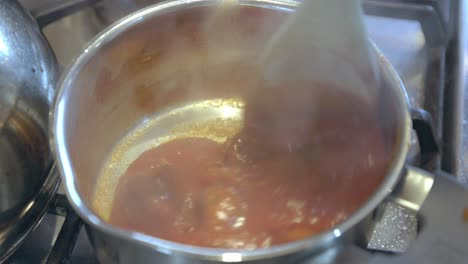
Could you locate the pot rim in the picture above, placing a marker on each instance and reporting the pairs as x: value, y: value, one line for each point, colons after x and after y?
x: 61, y: 153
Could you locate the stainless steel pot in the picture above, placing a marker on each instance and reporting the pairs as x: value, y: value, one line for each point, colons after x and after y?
x: 97, y: 104
x: 28, y: 74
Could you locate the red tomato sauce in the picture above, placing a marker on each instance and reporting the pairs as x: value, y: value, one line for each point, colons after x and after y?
x: 189, y: 190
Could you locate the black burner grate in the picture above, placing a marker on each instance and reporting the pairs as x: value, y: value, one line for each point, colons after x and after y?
x: 63, y: 246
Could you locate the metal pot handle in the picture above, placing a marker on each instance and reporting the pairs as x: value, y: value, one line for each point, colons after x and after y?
x: 411, y: 211
x: 442, y: 234
x: 394, y: 225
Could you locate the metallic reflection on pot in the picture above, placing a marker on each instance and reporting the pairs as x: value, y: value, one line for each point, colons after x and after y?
x: 96, y: 107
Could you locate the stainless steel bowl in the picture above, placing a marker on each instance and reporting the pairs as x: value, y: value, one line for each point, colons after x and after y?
x: 98, y: 102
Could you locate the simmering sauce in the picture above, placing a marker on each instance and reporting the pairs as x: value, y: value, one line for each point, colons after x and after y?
x: 200, y: 192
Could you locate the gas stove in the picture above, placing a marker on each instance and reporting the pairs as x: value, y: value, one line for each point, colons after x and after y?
x: 425, y: 40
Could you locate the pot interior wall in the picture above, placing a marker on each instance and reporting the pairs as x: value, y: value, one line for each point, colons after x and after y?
x: 159, y: 63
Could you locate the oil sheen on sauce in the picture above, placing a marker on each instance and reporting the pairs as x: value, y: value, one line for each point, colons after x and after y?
x: 189, y: 190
